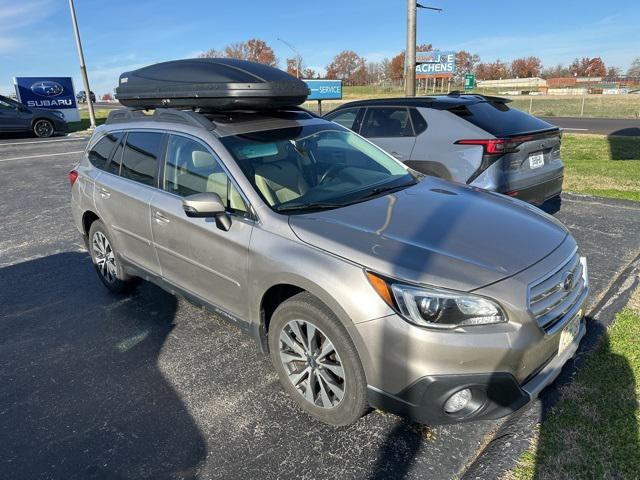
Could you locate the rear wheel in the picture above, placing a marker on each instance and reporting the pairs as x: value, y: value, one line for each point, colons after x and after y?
x: 106, y: 261
x: 43, y: 128
x: 316, y: 361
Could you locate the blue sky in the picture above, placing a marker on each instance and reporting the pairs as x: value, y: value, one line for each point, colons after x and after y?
x: 36, y: 36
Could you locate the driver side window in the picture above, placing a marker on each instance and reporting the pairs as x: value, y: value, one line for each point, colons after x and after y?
x: 191, y: 168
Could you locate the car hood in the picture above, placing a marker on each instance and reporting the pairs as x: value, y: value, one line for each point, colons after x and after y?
x: 436, y: 233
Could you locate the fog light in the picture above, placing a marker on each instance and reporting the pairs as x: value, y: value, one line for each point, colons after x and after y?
x: 457, y: 401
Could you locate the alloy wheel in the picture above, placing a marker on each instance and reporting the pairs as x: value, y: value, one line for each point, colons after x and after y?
x: 43, y: 128
x: 312, y: 363
x: 104, y: 257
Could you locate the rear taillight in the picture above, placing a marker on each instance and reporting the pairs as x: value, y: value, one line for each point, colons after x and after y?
x: 497, y: 146
x: 73, y: 176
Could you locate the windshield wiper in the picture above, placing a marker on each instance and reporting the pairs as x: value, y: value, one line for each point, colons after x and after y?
x: 388, y: 188
x: 308, y: 206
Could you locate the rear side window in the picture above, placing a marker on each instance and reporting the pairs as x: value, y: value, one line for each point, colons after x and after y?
x: 499, y: 119
x: 101, y: 151
x: 140, y: 156
x: 387, y: 122
x: 419, y: 123
x: 116, y: 159
x: 346, y: 118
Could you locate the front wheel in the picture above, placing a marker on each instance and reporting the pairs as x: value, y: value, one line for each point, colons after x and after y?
x: 43, y: 128
x: 316, y: 361
x: 106, y: 261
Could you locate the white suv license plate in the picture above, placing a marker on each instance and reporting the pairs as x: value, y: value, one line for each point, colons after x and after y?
x: 536, y: 160
x: 570, y: 332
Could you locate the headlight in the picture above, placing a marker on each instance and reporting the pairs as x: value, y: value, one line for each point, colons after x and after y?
x: 435, y: 307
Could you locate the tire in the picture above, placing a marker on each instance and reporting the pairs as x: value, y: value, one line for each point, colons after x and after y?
x: 106, y: 260
x: 323, y: 400
x: 43, y: 128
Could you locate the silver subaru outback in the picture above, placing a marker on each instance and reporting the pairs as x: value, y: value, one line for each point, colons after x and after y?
x: 367, y: 283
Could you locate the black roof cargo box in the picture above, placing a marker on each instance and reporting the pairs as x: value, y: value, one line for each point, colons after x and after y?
x: 210, y: 84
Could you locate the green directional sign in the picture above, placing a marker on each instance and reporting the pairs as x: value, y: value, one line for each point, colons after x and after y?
x: 469, y: 81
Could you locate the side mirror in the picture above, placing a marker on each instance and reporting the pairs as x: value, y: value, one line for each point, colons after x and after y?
x: 207, y: 205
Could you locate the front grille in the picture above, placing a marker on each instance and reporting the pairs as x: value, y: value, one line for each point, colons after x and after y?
x: 551, y: 299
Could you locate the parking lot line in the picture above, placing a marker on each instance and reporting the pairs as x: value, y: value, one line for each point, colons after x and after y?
x: 39, y: 156
x: 37, y: 142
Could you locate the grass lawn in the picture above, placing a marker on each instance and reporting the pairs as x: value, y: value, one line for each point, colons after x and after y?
x: 602, y: 166
x: 83, y: 124
x: 594, y: 430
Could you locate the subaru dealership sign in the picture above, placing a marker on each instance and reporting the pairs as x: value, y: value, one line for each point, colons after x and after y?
x: 324, y: 89
x: 435, y: 64
x: 52, y: 93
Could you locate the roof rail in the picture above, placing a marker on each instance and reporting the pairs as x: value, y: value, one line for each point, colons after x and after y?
x: 167, y: 115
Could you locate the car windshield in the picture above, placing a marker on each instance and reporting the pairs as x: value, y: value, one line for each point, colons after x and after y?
x: 315, y: 167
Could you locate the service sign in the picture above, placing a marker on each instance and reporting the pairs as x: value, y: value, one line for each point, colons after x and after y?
x: 324, y: 89
x: 435, y: 64
x: 51, y: 93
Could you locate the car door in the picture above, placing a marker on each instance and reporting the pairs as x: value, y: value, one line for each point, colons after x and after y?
x: 10, y: 117
x: 194, y: 253
x: 390, y: 128
x: 123, y: 193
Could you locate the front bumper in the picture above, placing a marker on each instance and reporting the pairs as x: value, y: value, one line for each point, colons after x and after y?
x: 60, y: 125
x: 494, y: 395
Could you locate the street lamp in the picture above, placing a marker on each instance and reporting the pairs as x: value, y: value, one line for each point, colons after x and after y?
x: 297, y: 53
x: 83, y: 68
x: 410, y: 77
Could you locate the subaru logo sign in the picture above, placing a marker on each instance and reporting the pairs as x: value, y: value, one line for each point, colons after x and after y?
x: 47, y: 88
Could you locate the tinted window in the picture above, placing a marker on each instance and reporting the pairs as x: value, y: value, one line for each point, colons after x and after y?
x: 191, y: 168
x: 99, y: 154
x: 116, y: 159
x: 346, y: 118
x: 140, y: 156
x: 499, y: 119
x: 387, y: 122
x: 419, y: 123
x: 6, y: 106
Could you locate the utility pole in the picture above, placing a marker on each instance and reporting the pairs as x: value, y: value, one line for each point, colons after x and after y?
x: 298, y: 56
x: 410, y: 75
x: 83, y: 68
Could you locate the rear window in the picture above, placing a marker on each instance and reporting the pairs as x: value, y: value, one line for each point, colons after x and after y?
x: 140, y: 157
x: 99, y: 154
x: 499, y: 119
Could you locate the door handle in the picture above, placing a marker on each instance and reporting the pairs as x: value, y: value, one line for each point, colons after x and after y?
x: 397, y: 155
x: 160, y: 218
x: 104, y: 193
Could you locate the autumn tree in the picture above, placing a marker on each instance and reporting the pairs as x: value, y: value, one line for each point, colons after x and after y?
x: 465, y: 63
x: 254, y: 50
x: 588, y: 67
x: 526, y: 67
x: 396, y: 67
x: 634, y: 68
x: 492, y: 71
x: 309, y: 73
x: 349, y: 67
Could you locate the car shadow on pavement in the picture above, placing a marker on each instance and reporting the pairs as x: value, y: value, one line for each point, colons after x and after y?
x: 623, y: 146
x: 81, y: 391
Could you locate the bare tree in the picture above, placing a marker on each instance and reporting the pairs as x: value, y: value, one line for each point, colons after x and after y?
x: 211, y: 53
x: 634, y: 68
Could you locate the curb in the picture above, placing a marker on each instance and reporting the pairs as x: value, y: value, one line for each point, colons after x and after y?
x: 514, y: 436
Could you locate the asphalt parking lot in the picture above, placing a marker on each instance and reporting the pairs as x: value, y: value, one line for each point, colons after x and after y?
x: 149, y: 386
